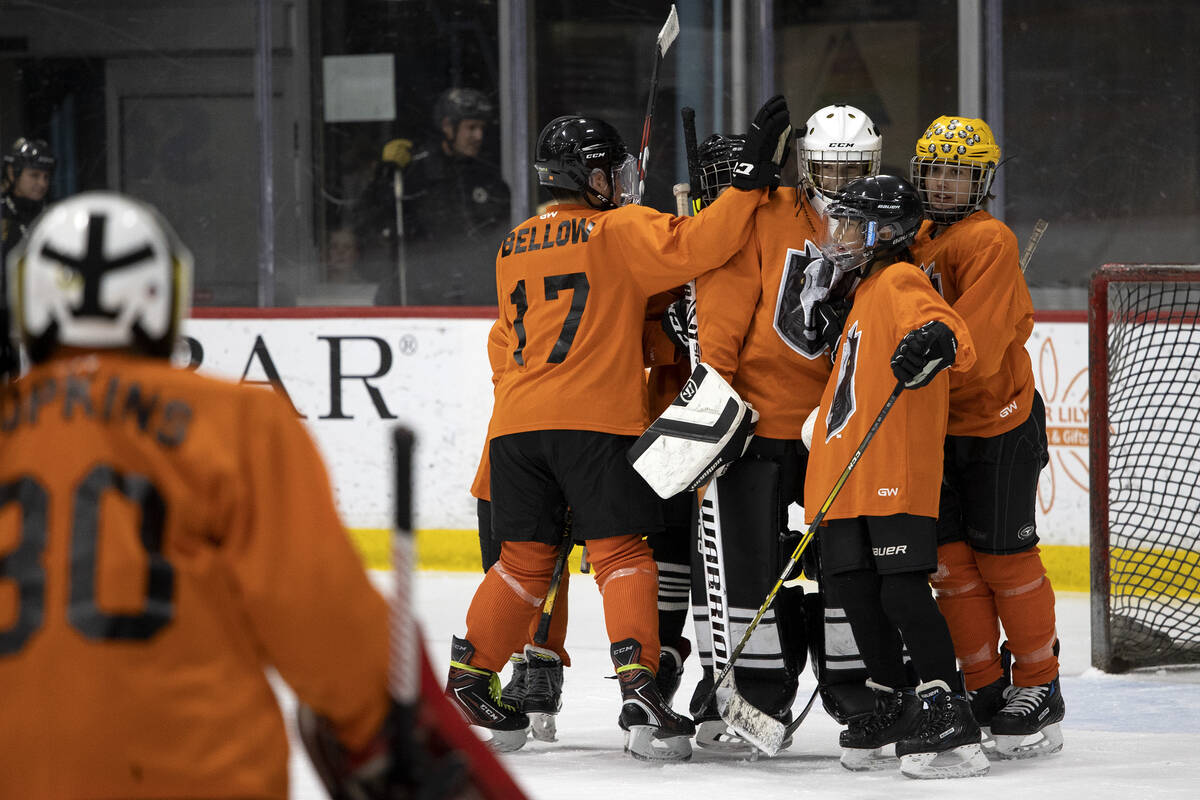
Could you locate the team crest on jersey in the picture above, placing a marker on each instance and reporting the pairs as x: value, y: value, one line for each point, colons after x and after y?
x: 935, y: 277
x: 844, y: 405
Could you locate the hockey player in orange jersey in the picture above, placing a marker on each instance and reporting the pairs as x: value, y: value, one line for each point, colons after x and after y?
x: 572, y: 286
x: 746, y: 314
x: 167, y: 537
x: 990, y: 572
x: 878, y: 543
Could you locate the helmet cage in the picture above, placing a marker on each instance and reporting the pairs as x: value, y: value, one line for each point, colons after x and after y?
x: 715, y: 177
x: 964, y: 196
x: 828, y: 171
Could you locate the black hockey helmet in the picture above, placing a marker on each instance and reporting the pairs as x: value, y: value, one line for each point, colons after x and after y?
x: 570, y: 147
x: 888, y: 212
x: 718, y: 155
x: 459, y: 104
x: 28, y: 153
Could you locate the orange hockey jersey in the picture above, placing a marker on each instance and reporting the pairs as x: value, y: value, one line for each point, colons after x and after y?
x: 901, y: 470
x: 736, y: 311
x: 974, y: 263
x: 572, y: 286
x: 164, y: 538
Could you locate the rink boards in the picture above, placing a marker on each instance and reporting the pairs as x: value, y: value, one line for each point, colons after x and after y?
x: 353, y: 374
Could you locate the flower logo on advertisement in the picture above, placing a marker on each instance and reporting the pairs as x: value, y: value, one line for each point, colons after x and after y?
x: 1066, y: 396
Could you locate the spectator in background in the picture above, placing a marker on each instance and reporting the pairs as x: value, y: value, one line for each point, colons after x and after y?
x: 23, y: 189
x: 343, y: 256
x: 453, y: 205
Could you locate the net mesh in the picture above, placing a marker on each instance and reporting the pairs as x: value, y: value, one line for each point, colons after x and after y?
x: 1153, y: 342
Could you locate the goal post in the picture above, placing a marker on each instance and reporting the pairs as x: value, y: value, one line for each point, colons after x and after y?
x: 1144, y: 373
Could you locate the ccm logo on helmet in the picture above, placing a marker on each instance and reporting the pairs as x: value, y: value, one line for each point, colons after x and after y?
x: 841, y: 144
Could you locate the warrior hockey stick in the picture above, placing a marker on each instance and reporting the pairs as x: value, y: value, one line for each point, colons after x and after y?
x: 763, y: 730
x: 666, y: 36
x: 560, y: 563
x: 1039, y: 228
x: 404, y: 675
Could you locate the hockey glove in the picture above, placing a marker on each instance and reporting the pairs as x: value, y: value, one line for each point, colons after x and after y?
x: 766, y: 146
x: 676, y: 322
x: 923, y: 353
x: 398, y: 152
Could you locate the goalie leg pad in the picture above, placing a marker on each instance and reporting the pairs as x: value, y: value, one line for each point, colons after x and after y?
x: 704, y: 430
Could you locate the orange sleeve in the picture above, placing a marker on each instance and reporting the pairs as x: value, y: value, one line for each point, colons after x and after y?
x: 289, y: 556
x: 994, y: 299
x: 726, y: 299
x: 662, y: 250
x: 916, y: 302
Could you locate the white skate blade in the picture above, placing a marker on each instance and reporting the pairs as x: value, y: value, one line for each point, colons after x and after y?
x: 715, y: 735
x: 861, y: 760
x: 543, y: 726
x: 1045, y: 742
x: 760, y: 730
x: 967, y: 761
x: 642, y: 743
x: 507, y: 741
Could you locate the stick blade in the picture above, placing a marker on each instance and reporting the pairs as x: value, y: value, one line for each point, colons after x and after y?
x: 670, y: 30
x: 755, y: 726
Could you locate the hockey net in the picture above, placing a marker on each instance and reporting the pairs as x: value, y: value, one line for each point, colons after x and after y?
x: 1144, y: 325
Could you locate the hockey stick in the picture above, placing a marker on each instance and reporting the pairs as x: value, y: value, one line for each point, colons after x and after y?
x: 692, y: 150
x: 560, y: 563
x: 1039, y: 228
x: 428, y: 776
x: 763, y: 730
x: 666, y: 36
x: 401, y: 262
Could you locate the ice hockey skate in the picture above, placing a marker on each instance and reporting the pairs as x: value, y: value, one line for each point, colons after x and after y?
x: 947, y: 745
x: 866, y: 742
x: 670, y: 669
x: 714, y: 734
x: 1028, y: 725
x: 543, y: 692
x: 653, y: 731
x: 513, y: 692
x: 985, y: 702
x: 475, y: 692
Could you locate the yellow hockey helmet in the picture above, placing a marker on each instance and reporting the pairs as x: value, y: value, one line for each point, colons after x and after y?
x: 963, y: 143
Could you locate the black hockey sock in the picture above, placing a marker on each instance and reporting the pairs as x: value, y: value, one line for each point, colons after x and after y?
x: 912, y: 609
x: 878, y: 641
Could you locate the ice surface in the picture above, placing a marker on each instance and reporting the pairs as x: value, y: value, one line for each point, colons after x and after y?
x: 1127, y: 736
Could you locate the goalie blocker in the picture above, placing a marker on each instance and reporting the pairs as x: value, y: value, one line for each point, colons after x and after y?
x: 704, y: 430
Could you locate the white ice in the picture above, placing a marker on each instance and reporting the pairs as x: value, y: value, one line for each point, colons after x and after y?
x: 1130, y: 736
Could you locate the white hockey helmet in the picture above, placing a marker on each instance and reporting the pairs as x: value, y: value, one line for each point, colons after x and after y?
x: 100, y: 270
x: 839, y: 143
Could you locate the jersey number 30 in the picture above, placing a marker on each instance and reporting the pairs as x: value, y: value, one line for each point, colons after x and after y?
x: 24, y: 564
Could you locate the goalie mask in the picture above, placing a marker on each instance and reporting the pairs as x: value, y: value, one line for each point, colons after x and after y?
x: 100, y: 271
x: 718, y: 155
x: 953, y: 168
x: 840, y: 143
x: 870, y: 219
x: 569, y: 149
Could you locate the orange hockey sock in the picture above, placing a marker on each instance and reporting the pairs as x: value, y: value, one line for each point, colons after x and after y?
x: 557, y: 636
x: 628, y: 582
x: 1025, y: 602
x: 967, y: 603
x: 499, y: 619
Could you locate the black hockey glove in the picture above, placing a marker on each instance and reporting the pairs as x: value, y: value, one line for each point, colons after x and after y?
x: 923, y: 353
x: 766, y: 147
x: 830, y: 318
x: 675, y: 323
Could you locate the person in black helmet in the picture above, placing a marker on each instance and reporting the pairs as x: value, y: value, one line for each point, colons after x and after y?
x: 878, y: 544
x: 454, y: 206
x: 25, y: 184
x: 572, y: 285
